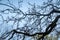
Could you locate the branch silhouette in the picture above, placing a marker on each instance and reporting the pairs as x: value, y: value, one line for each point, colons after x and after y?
x: 48, y: 29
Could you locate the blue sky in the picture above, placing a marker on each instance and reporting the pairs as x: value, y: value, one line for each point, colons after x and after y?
x: 25, y: 5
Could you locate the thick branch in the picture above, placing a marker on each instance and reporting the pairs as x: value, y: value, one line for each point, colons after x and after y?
x: 50, y: 27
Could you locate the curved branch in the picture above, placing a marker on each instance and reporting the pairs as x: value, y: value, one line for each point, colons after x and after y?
x: 39, y: 14
x: 51, y: 27
x: 7, y: 5
x: 48, y: 29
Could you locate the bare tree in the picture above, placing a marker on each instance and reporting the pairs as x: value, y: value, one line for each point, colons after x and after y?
x: 37, y: 22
